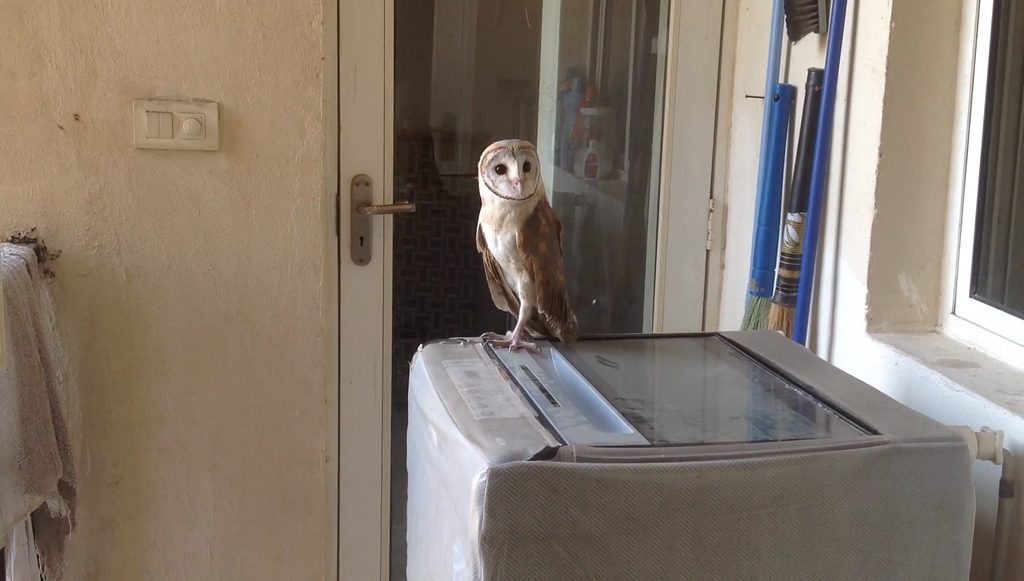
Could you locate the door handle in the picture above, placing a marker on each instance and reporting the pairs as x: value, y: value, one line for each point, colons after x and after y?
x: 363, y: 211
x: 381, y: 209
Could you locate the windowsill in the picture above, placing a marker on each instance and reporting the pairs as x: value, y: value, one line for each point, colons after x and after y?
x: 971, y: 369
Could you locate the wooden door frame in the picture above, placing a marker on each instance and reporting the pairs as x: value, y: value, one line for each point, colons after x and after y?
x: 357, y: 454
x: 332, y: 270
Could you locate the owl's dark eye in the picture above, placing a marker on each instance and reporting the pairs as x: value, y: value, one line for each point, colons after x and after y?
x: 500, y: 169
x: 526, y: 167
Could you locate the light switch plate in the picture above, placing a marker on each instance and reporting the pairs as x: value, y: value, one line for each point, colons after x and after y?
x: 188, y: 125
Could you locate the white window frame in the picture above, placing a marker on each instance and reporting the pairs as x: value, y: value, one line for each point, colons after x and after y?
x: 971, y: 320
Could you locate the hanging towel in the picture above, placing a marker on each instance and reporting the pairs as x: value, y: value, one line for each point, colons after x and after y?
x: 3, y: 330
x: 37, y: 399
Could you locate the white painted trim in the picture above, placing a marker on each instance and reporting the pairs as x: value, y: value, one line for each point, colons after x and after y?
x: 984, y: 340
x: 991, y: 319
x: 668, y: 35
x: 972, y: 168
x: 387, y: 252
x: 958, y: 159
x: 692, y: 99
x: 331, y: 272
x: 984, y: 316
x: 715, y: 267
x: 364, y: 32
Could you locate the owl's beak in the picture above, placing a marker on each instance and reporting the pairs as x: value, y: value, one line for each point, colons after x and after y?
x: 517, y: 184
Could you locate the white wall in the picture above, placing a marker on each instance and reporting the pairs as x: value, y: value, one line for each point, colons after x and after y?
x: 896, y: 151
x: 192, y: 285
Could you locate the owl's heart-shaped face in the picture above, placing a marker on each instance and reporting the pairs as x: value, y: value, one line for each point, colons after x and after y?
x: 510, y: 170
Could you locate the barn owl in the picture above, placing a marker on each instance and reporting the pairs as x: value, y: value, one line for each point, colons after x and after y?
x: 520, y: 240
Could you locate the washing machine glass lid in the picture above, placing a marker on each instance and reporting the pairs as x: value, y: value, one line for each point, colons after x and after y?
x: 698, y: 390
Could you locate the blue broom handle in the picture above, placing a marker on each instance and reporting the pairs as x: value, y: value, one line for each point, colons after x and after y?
x: 822, y: 149
x: 769, y: 210
x: 771, y: 77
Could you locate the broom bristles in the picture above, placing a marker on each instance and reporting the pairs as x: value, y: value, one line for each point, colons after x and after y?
x: 780, y: 318
x: 804, y: 17
x: 755, y: 315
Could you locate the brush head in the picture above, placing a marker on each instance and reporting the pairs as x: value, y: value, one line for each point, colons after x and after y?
x: 780, y: 318
x: 755, y: 315
x: 804, y: 17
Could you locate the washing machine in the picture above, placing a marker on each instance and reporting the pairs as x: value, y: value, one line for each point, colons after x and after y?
x: 704, y: 457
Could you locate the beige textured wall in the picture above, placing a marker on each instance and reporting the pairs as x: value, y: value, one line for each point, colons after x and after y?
x: 192, y: 285
x: 915, y: 157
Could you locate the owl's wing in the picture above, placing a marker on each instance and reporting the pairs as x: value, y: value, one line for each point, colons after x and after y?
x: 540, y: 241
x: 502, y: 296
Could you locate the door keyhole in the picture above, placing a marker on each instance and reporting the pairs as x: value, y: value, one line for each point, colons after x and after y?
x: 361, y: 240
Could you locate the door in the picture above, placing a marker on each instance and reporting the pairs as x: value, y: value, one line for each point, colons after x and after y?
x: 620, y: 98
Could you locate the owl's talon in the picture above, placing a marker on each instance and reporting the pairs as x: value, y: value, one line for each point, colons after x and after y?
x: 510, y: 340
x: 492, y: 337
x: 527, y: 345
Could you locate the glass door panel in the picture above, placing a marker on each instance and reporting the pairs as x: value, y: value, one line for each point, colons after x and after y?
x: 584, y: 80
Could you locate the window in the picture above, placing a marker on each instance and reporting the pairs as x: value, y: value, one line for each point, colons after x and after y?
x: 990, y: 266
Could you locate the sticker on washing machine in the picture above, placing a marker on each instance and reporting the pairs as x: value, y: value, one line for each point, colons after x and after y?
x: 483, y: 390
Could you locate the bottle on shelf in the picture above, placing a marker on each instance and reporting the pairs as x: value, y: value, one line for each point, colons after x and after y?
x: 571, y: 99
x: 592, y: 155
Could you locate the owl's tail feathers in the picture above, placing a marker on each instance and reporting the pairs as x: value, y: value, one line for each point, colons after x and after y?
x: 569, y: 331
x: 542, y: 327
